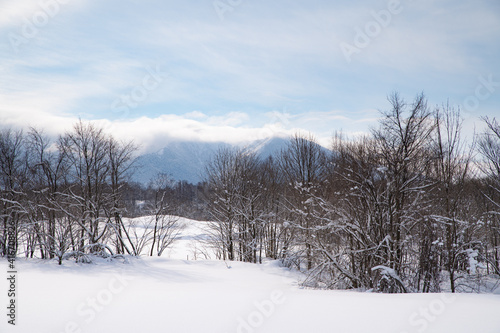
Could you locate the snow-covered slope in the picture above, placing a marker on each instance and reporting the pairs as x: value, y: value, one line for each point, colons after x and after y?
x: 169, y: 294
x: 180, y: 160
x: 184, y: 160
x: 268, y: 147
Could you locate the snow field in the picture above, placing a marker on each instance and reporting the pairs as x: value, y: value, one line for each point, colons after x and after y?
x: 171, y: 294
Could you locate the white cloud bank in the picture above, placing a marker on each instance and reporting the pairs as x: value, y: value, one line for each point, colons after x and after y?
x: 227, y: 80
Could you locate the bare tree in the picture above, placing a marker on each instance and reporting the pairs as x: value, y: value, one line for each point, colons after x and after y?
x: 402, y: 143
x: 358, y: 186
x: 235, y: 202
x: 86, y: 150
x: 165, y: 225
x: 13, y: 177
x: 446, y: 223
x: 277, y: 238
x: 489, y: 148
x: 223, y: 181
x: 120, y: 163
x: 303, y: 165
x: 49, y: 170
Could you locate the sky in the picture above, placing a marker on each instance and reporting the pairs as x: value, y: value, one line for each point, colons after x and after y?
x: 240, y: 70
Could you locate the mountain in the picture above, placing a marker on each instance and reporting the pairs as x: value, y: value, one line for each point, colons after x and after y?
x: 181, y: 160
x: 186, y: 160
x: 267, y: 147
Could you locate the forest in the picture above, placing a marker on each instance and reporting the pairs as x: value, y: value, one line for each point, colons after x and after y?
x: 414, y: 206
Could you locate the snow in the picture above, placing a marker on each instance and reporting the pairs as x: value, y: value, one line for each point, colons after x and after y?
x: 473, y: 263
x: 172, y: 294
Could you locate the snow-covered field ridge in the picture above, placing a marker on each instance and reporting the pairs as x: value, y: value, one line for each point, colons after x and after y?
x: 173, y: 294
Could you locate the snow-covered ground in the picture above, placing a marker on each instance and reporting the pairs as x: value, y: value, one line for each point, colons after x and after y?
x: 172, y: 294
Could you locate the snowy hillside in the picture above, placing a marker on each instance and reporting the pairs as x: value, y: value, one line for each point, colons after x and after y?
x: 179, y: 160
x: 172, y: 294
x: 184, y: 160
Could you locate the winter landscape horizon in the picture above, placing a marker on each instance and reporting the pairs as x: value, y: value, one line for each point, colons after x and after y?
x: 247, y: 166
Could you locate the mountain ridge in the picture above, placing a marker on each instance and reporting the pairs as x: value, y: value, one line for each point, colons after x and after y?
x: 186, y: 160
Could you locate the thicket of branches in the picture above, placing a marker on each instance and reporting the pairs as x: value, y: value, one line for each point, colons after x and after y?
x: 411, y: 207
x: 403, y: 209
x: 67, y: 198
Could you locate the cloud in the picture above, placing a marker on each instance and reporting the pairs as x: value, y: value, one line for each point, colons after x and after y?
x: 12, y: 13
x: 269, y: 67
x: 153, y: 133
x: 196, y: 115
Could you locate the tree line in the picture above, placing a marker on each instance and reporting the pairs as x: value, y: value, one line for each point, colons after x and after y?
x: 411, y: 207
x: 67, y: 198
